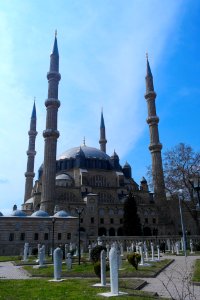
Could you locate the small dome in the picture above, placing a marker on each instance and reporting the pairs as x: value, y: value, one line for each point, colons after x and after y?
x: 18, y: 213
x: 61, y: 214
x: 1, y: 215
x: 63, y: 177
x: 40, y: 213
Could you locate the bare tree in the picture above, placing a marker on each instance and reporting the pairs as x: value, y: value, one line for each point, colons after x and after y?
x: 180, y: 164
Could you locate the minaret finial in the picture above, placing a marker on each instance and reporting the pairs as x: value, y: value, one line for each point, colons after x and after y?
x: 102, y: 140
x: 84, y: 141
x: 147, y: 55
x: 149, y: 78
x: 56, y: 33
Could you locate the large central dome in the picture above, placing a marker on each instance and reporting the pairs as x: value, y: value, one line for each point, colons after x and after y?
x: 89, y: 152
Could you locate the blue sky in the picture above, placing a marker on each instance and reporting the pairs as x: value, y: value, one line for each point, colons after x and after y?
x: 102, y: 46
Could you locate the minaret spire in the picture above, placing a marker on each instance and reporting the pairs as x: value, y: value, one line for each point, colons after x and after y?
x: 155, y: 146
x: 51, y: 133
x: 102, y: 140
x: 31, y: 155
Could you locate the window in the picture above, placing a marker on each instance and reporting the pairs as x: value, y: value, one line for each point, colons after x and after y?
x: 102, y: 220
x: 11, y: 237
x: 92, y: 220
x: 36, y: 236
x: 69, y: 236
x: 121, y: 221
x: 22, y: 236
x: 59, y: 236
x: 111, y: 221
x: 46, y: 236
x: 146, y: 220
x: 154, y: 220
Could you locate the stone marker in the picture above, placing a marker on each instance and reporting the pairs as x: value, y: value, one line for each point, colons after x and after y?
x: 57, y: 259
x: 141, y: 253
x: 69, y: 261
x: 89, y: 249
x: 191, y: 247
x: 103, y: 268
x: 26, y: 246
x: 152, y: 252
x: 158, y: 252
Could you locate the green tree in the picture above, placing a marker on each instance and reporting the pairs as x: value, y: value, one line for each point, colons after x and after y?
x: 132, y: 225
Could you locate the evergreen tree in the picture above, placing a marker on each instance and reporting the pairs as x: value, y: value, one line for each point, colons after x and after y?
x: 131, y: 224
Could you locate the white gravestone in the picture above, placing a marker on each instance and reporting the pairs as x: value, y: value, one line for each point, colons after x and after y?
x: 191, y: 247
x: 69, y: 261
x: 26, y: 246
x: 152, y: 252
x: 57, y: 259
x: 103, y: 268
x: 158, y: 252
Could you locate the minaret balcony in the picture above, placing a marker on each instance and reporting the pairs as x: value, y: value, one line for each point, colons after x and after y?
x: 152, y: 120
x: 150, y: 95
x: 53, y: 75
x: 29, y: 174
x: 51, y: 133
x: 52, y: 102
x: 155, y: 147
x: 31, y: 152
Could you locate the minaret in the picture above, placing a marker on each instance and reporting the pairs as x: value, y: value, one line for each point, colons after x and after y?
x: 31, y: 156
x: 51, y: 133
x: 102, y: 140
x: 155, y: 145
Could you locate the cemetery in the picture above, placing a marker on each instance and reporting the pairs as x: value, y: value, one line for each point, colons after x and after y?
x: 105, y: 270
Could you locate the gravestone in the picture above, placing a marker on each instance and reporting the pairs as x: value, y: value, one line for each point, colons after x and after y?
x: 57, y: 259
x: 191, y: 247
x: 26, y: 246
x: 141, y: 254
x: 103, y: 268
x: 158, y: 252
x: 152, y: 252
x: 66, y: 250
x: 89, y: 249
x: 69, y: 261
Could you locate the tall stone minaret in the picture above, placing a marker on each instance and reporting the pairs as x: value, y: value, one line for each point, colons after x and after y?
x: 102, y: 140
x: 155, y: 145
x: 51, y: 133
x: 31, y: 156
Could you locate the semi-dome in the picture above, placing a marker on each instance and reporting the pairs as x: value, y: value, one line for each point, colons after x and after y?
x: 61, y: 214
x: 18, y: 213
x: 89, y: 152
x: 40, y: 213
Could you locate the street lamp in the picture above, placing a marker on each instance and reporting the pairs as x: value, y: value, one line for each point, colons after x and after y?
x: 53, y: 225
x: 195, y: 183
x: 79, y: 212
x: 180, y: 197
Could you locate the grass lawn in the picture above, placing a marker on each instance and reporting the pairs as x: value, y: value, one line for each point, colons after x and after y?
x: 196, y: 274
x: 85, y: 269
x: 42, y: 289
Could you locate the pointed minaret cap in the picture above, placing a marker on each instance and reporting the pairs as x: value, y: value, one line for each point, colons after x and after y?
x: 149, y: 78
x: 55, y: 46
x: 102, y: 125
x: 143, y: 179
x: 33, y: 116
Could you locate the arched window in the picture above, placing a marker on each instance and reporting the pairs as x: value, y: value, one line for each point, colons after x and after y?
x: 101, y: 231
x: 120, y: 231
x: 111, y: 232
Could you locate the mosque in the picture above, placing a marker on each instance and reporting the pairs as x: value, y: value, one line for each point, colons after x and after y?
x: 87, y: 182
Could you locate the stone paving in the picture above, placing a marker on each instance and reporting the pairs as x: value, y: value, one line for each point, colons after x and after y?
x: 174, y: 281
x: 9, y: 271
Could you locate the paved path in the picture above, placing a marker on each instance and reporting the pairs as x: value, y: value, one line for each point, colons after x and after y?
x: 9, y: 271
x: 174, y: 281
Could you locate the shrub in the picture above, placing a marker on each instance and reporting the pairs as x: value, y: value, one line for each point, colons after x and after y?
x: 96, y: 252
x: 134, y: 259
x: 97, y: 268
